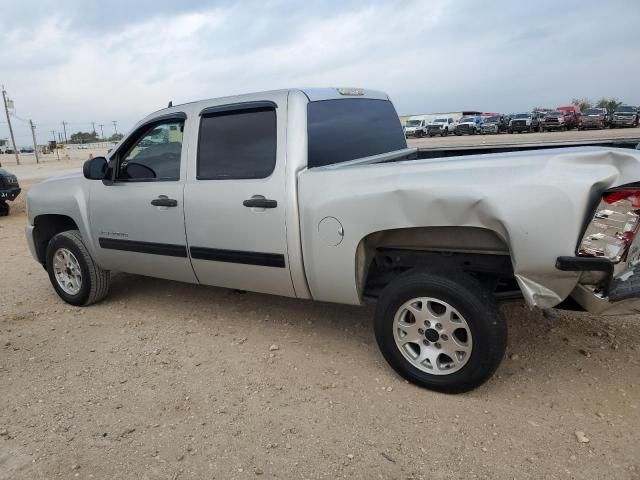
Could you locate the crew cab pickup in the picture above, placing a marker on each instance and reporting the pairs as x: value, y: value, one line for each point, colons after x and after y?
x: 285, y: 193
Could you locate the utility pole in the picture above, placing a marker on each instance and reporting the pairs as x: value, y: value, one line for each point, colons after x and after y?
x: 59, y: 137
x: 13, y: 140
x: 115, y: 126
x: 55, y: 143
x: 33, y: 135
x: 101, y: 131
x: 64, y: 126
x: 93, y: 125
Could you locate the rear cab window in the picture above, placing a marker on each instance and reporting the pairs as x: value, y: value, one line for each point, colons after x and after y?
x: 347, y: 129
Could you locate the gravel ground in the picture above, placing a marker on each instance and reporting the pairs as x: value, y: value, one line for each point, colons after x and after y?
x: 170, y: 381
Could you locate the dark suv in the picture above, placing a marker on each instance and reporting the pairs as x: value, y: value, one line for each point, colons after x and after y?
x: 9, y: 190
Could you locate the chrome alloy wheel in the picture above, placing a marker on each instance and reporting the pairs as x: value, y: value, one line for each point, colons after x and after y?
x: 67, y: 271
x: 432, y: 336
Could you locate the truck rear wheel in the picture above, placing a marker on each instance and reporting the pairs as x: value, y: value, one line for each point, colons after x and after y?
x: 4, y: 209
x: 75, y: 276
x: 443, y: 332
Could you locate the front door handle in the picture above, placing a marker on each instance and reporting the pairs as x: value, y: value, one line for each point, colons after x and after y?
x: 164, y: 201
x: 258, y: 201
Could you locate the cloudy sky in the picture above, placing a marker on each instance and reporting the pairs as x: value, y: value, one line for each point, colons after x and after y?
x: 83, y: 61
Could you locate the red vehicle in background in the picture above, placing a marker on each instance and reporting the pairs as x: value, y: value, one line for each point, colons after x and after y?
x: 573, y: 116
x: 562, y: 118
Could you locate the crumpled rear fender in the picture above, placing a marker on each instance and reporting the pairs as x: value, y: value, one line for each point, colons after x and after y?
x: 537, y: 202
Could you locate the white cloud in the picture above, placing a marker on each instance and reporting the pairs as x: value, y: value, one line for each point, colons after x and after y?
x: 121, y: 62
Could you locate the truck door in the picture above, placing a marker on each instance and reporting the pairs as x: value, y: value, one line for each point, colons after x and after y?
x: 235, y: 198
x: 138, y: 220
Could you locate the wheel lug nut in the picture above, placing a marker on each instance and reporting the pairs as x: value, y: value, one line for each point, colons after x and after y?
x: 421, y: 331
x: 444, y: 337
x: 427, y: 323
x: 439, y: 326
x: 426, y: 342
x: 437, y: 344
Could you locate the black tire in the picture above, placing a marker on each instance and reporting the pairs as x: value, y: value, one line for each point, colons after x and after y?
x: 5, y: 209
x: 95, y: 280
x: 474, y: 302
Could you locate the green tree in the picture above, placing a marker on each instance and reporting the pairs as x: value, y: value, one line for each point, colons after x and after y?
x: 611, y: 104
x: 83, y: 137
x: 116, y: 137
x: 582, y: 103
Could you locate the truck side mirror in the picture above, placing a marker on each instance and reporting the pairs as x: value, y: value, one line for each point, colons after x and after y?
x: 95, y: 168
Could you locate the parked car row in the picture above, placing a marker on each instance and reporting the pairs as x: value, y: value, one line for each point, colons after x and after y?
x: 561, y: 119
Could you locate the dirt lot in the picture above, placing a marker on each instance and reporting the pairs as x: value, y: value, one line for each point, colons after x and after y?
x: 171, y: 381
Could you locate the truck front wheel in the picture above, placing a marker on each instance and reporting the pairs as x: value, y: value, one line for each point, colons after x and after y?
x: 4, y: 209
x: 440, y: 331
x: 75, y: 276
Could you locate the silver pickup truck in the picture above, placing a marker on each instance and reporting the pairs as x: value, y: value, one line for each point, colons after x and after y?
x: 285, y: 193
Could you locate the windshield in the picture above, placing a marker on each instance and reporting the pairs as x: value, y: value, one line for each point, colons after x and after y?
x: 467, y: 119
x: 626, y: 108
x: 593, y: 111
x: 440, y: 120
x: 522, y: 115
x: 491, y: 120
x: 555, y: 114
x: 413, y: 123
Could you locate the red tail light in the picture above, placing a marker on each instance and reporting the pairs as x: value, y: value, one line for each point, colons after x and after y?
x: 617, y: 195
x: 613, y: 226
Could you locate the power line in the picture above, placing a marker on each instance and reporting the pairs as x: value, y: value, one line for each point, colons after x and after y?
x: 115, y: 126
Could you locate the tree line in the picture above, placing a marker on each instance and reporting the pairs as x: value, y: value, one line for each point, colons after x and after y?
x: 92, y: 137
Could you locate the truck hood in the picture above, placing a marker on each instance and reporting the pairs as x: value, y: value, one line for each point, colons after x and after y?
x: 64, y: 176
x: 536, y: 202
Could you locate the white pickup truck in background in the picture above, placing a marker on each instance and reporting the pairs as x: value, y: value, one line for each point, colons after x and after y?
x: 285, y: 193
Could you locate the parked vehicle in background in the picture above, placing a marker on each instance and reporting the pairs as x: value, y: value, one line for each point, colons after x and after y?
x: 595, y: 117
x: 468, y: 125
x: 557, y: 120
x: 503, y: 120
x: 415, y: 127
x: 573, y: 116
x: 524, y: 122
x: 625, y: 116
x: 490, y: 125
x: 9, y: 190
x: 441, y: 126
x: 26, y: 150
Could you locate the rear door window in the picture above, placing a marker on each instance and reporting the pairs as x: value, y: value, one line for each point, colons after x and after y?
x: 348, y: 129
x: 237, y: 144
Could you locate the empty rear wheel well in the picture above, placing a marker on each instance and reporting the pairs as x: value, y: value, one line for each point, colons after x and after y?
x: 46, y: 226
x: 479, y: 252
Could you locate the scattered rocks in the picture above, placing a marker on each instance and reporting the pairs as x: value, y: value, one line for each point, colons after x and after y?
x: 514, y: 356
x: 585, y: 353
x: 581, y: 437
x: 388, y: 457
x: 274, y: 347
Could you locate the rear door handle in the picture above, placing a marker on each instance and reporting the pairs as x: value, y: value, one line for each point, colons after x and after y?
x: 164, y: 201
x: 258, y: 201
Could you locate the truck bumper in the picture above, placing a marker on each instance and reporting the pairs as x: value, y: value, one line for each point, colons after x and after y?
x: 618, y: 291
x: 28, y: 232
x: 9, y: 194
x: 622, y: 123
